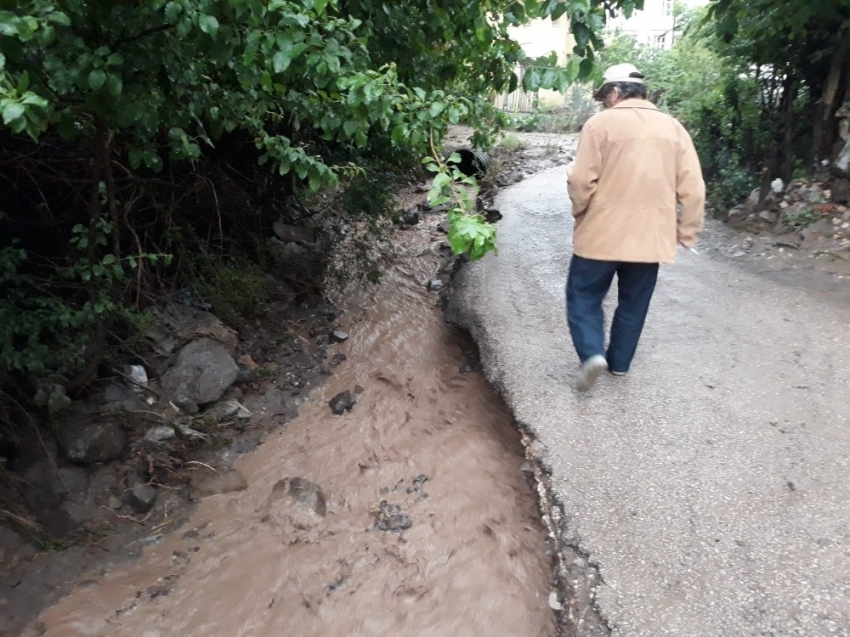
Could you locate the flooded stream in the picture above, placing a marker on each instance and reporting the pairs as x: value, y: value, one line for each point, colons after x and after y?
x: 408, y: 514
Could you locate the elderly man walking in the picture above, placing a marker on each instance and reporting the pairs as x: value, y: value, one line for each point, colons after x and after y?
x: 633, y: 166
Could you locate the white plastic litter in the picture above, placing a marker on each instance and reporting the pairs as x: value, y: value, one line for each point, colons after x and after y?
x: 139, y: 376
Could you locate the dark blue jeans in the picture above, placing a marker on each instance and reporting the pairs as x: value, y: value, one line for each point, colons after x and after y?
x: 587, y: 285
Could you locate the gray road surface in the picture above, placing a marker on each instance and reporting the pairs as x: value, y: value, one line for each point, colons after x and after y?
x: 711, y: 486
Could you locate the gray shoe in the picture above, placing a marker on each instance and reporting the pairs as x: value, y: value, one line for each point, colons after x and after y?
x: 590, y: 370
x: 618, y: 373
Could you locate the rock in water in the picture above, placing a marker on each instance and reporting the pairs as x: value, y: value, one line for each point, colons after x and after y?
x: 390, y: 517
x: 294, y: 506
x: 338, y: 336
x: 342, y: 402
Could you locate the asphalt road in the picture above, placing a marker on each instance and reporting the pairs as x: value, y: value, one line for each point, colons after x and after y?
x: 711, y: 486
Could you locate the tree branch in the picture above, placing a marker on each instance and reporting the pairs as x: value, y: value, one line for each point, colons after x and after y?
x: 141, y: 35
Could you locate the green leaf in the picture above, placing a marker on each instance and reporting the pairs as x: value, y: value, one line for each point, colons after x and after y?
x: 12, y: 111
x: 114, y: 84
x: 531, y: 80
x: 57, y: 17
x: 46, y: 35
x: 576, y: 6
x: 152, y: 160
x: 399, y: 134
x: 281, y: 61
x: 436, y: 109
x: 350, y: 128
x: 208, y: 24
x: 582, y: 36
x: 97, y: 79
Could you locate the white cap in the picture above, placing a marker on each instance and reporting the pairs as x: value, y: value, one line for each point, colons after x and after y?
x: 620, y: 73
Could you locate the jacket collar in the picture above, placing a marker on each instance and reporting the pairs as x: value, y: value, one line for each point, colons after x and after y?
x: 636, y: 103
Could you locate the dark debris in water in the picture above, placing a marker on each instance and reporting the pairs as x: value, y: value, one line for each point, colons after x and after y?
x: 418, y: 481
x: 390, y: 517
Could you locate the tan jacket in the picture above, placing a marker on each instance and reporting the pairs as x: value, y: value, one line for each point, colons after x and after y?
x: 632, y: 166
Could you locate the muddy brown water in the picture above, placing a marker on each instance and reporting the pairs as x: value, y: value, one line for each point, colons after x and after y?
x: 426, y: 445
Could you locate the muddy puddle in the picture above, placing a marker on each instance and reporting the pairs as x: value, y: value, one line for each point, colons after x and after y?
x: 406, y: 514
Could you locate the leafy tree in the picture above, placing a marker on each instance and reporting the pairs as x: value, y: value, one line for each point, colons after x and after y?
x: 125, y: 109
x: 798, y: 49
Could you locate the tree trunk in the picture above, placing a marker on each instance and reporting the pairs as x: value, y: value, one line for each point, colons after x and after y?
x: 100, y: 170
x: 789, y: 95
x: 825, y: 127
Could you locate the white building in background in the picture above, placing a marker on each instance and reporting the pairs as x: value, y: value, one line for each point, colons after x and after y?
x: 654, y: 25
x: 539, y: 38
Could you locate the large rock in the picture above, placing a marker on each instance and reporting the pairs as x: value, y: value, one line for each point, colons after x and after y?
x: 180, y: 324
x: 87, y: 442
x: 752, y: 202
x: 202, y: 373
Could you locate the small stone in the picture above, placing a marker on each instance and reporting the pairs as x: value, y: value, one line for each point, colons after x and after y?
x: 390, y: 517
x: 845, y: 225
x: 783, y: 204
x: 836, y: 221
x: 342, y: 402
x: 114, y: 502
x: 338, y: 336
x: 141, y: 498
x: 739, y: 253
x: 409, y: 218
x: 767, y: 215
x: 435, y: 285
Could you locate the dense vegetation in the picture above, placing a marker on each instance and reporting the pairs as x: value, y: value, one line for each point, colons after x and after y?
x: 149, y: 146
x: 759, y: 84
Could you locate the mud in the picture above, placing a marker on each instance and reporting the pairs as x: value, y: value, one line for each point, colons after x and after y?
x: 407, y: 512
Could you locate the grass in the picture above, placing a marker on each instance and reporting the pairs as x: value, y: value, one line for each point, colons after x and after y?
x: 512, y: 143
